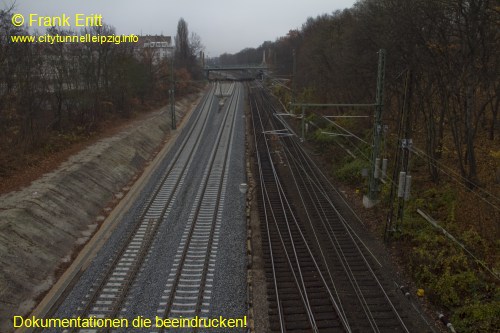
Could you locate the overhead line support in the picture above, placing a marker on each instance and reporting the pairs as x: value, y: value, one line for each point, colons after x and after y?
x: 374, y: 179
x: 172, y: 93
x: 374, y: 188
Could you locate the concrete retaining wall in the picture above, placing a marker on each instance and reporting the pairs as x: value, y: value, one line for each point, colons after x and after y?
x: 43, y: 224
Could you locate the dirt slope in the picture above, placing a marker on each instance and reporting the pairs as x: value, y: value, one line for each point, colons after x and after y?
x: 44, y: 224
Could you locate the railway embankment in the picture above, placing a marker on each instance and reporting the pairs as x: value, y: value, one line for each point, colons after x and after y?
x: 43, y: 225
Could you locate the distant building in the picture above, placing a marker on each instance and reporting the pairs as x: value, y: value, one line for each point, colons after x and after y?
x: 156, y: 47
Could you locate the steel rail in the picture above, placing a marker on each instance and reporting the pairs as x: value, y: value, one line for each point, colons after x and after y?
x: 299, y: 280
x: 331, y: 235
x: 315, y: 200
x: 336, y: 248
x: 352, y: 234
x: 318, y: 183
x: 273, y: 268
x: 283, y: 201
x: 349, y: 231
x: 220, y: 191
x: 214, y: 159
x: 151, y: 227
x: 338, y: 307
x: 340, y: 253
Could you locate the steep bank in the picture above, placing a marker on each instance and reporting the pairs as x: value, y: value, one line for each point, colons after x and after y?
x: 42, y: 225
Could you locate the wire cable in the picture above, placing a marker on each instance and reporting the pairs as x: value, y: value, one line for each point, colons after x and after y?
x: 441, y: 167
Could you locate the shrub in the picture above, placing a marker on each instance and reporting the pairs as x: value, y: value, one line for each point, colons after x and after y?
x: 477, y: 317
x: 447, y: 273
x: 351, y: 171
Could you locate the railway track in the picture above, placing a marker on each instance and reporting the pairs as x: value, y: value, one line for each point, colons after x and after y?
x: 321, y: 276
x: 109, y: 295
x: 189, y: 286
x: 366, y: 298
x: 300, y: 297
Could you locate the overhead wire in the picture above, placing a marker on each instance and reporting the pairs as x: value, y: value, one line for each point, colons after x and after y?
x: 352, y: 234
x: 327, y: 181
x: 345, y: 130
x: 462, y: 180
x: 303, y: 290
x: 338, y: 307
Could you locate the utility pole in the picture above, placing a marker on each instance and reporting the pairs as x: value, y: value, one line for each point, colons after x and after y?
x: 294, y: 76
x: 374, y: 185
x: 303, y: 127
x: 374, y: 188
x: 401, y: 163
x: 172, y: 93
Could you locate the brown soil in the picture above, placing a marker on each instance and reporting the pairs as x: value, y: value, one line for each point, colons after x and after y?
x: 23, y: 174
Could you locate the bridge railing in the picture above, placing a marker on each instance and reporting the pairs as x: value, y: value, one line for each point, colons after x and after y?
x: 233, y: 67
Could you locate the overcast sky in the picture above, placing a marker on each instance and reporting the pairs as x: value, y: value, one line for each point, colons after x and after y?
x: 223, y: 25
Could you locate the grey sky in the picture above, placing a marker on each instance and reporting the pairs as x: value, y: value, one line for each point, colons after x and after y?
x: 223, y: 25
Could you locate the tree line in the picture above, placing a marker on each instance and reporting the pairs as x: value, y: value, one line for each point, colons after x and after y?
x: 450, y: 46
x: 442, y: 68
x: 66, y: 90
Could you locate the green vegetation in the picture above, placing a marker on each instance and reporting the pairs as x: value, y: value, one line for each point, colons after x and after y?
x: 350, y: 172
x: 478, y: 317
x: 450, y: 277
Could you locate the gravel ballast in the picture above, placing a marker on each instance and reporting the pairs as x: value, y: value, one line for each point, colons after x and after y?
x: 42, y: 225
